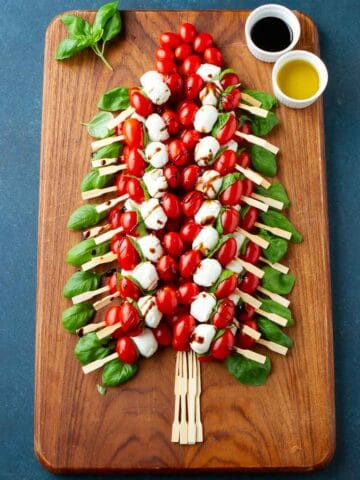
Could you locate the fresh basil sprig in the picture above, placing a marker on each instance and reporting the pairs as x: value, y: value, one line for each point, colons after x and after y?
x: 263, y: 161
x: 90, y: 348
x: 93, y: 180
x: 115, y: 100
x: 84, y: 217
x: 109, y: 151
x: 277, y: 246
x: 248, y: 371
x: 97, y: 127
x: 277, y: 282
x: 276, y: 219
x: 81, y: 282
x: 82, y: 34
x: 223, y: 276
x: 77, y: 316
x: 275, y: 191
x: 273, y: 307
x: 85, y: 251
x: 267, y: 100
x: 220, y: 123
x: 117, y: 372
x: 262, y: 126
x: 273, y: 332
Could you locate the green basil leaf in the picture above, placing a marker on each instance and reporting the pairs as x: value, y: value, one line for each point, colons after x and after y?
x: 109, y: 151
x: 89, y: 348
x: 75, y: 25
x: 262, y: 126
x: 101, y: 389
x: 267, y: 100
x: 263, y: 161
x: 222, y: 240
x: 248, y: 371
x: 115, y: 99
x: 77, y: 316
x: 218, y: 225
x: 93, y: 180
x: 223, y: 276
x: 104, y: 14
x: 273, y: 307
x: 277, y: 282
x: 228, y: 180
x: 244, y: 246
x: 69, y: 46
x: 275, y: 191
x: 276, y: 219
x: 242, y: 119
x: 97, y: 127
x: 220, y: 123
x: 112, y: 27
x: 117, y: 372
x: 84, y: 217
x: 85, y: 251
x: 277, y: 248
x: 137, y: 248
x: 273, y: 332
x: 81, y: 282
x: 224, y: 72
x: 244, y: 210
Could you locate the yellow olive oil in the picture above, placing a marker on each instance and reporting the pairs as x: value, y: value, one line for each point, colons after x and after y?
x: 298, y: 79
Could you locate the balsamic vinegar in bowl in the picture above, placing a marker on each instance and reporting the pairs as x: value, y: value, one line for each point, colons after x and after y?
x: 271, y: 34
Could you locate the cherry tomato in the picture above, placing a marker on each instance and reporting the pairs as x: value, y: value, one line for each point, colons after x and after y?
x: 135, y: 163
x: 189, y: 231
x: 115, y: 243
x: 128, y: 256
x: 112, y: 315
x: 129, y: 317
x: 226, y: 133
x: 202, y: 42
x: 121, y: 182
x: 114, y: 217
x: 167, y: 268
x: 244, y: 159
x: 226, y: 287
x: 188, y: 263
x: 128, y: 289
x: 175, y: 82
x: 189, y: 177
x: 190, y: 138
x: 245, y: 128
x: 171, y: 121
x: 187, y: 292
x: 232, y: 194
x: 173, y: 244
x: 112, y: 283
x: 166, y: 300
x: 133, y: 132
x: 172, y: 175
x: 191, y: 203
x: 165, y: 67
x: 172, y: 225
x: 252, y: 253
x: 227, y: 251
x: 163, y: 334
x: 190, y: 64
x: 183, y: 51
x: 247, y: 313
x: 164, y: 53
x: 193, y: 84
x: 142, y: 104
x: 250, y: 218
x: 229, y: 79
x: 249, y: 283
x: 170, y: 40
x: 128, y: 222
x: 186, y: 113
x: 248, y: 187
x: 182, y: 332
x: 224, y: 314
x: 230, y: 219
x: 135, y: 190
x: 226, y: 162
x: 126, y: 350
x: 214, y: 56
x: 173, y: 318
x: 243, y: 340
x: 187, y: 32
x: 231, y: 100
x: 204, y: 358
x: 134, y: 332
x: 171, y: 205
x: 178, y: 153
x: 223, y: 346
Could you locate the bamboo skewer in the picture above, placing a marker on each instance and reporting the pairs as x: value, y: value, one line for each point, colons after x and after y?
x: 276, y: 266
x: 103, y: 207
x: 97, y: 192
x: 120, y: 118
x: 259, y: 112
x: 269, y: 201
x: 273, y: 317
x: 104, y: 237
x: 175, y: 431
x: 251, y: 268
x: 279, y: 232
x: 254, y: 238
x: 107, y: 331
x: 92, y: 327
x: 255, y: 203
x: 111, y: 169
x: 274, y: 347
x: 91, y: 367
x: 274, y: 296
x: 251, y: 332
x: 191, y: 397
x: 84, y: 297
x: 251, y: 355
x: 103, y: 302
x: 258, y: 141
x: 96, y: 261
x: 199, y: 426
x: 253, y: 176
x: 249, y: 99
x: 102, y: 162
x: 93, y: 232
x: 183, y: 392
x: 105, y: 141
x: 247, y: 298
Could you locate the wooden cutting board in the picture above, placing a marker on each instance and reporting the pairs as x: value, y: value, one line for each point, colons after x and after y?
x: 288, y: 424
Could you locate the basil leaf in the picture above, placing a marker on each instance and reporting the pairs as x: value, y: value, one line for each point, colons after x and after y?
x: 223, y: 276
x: 77, y: 316
x: 93, y: 180
x: 267, y: 100
x: 81, y: 282
x: 273, y: 332
x: 262, y: 126
x: 242, y: 119
x: 228, y: 180
x: 117, y: 372
x: 243, y: 246
x: 95, y: 34
x: 97, y: 127
x: 101, y: 389
x: 109, y: 151
x: 222, y: 240
x: 275, y: 191
x: 276, y: 219
x: 115, y: 99
x: 84, y: 217
x: 224, y: 72
x: 277, y: 248
x: 104, y: 14
x: 75, y: 25
x: 248, y: 371
x: 90, y: 348
x: 263, y: 161
x: 220, y: 123
x: 69, y: 46
x: 112, y: 27
x: 277, y: 282
x: 219, y: 226
x: 85, y: 251
x: 273, y: 307
x: 135, y: 244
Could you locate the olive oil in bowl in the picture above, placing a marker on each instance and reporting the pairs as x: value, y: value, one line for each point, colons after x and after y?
x: 298, y: 79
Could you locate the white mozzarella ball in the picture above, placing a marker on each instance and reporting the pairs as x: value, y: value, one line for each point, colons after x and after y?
x: 150, y: 78
x: 209, y: 95
x: 202, y: 306
x: 209, y: 183
x: 235, y: 297
x: 206, y: 240
x: 231, y: 145
x: 202, y: 337
x: 153, y: 214
x: 240, y: 239
x: 156, y: 128
x: 151, y: 247
x: 158, y: 93
x: 205, y: 118
x: 157, y: 154
x: 146, y: 275
x: 206, y: 150
x: 207, y: 272
x: 235, y: 266
x: 155, y: 182
x: 208, y: 212
x: 146, y: 343
x: 149, y: 310
x: 207, y: 71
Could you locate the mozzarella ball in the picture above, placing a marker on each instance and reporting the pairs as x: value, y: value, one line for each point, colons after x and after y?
x: 231, y: 145
x: 235, y: 266
x: 207, y: 71
x: 153, y: 214
x: 156, y: 128
x: 207, y: 272
x: 209, y: 183
x: 208, y: 212
x: 146, y: 343
x: 157, y: 154
x: 201, y: 338
x: 155, y: 182
x: 206, y: 150
x: 151, y: 78
x: 235, y: 297
x: 146, y: 275
x: 149, y: 310
x: 202, y: 306
x: 206, y: 240
x: 240, y: 239
x: 209, y: 95
x: 158, y: 93
x: 205, y: 118
x: 151, y: 247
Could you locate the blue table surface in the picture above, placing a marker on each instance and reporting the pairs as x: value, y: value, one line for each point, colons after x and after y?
x: 22, y: 28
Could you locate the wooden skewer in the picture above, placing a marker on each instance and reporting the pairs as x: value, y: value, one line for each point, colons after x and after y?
x: 269, y: 201
x: 276, y: 266
x: 254, y: 238
x: 255, y: 303
x: 253, y: 176
x: 191, y: 397
x: 255, y: 203
x: 120, y: 118
x: 279, y: 232
x: 248, y: 98
x: 102, y: 162
x: 105, y: 141
x: 274, y: 347
x: 260, y: 112
x: 258, y: 141
x: 251, y: 268
x: 103, y: 207
x: 273, y: 317
x: 107, y: 331
x: 107, y: 235
x: 84, y: 297
x: 183, y: 393
x: 274, y: 296
x: 94, y: 262
x: 251, y: 332
x: 110, y: 170
x: 199, y: 426
x: 93, y: 232
x: 97, y: 192
x: 91, y: 367
x: 105, y: 301
x: 92, y: 327
x: 175, y: 431
x: 252, y: 301
x: 251, y: 355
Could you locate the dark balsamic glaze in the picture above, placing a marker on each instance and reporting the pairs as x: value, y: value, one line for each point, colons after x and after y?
x: 271, y: 34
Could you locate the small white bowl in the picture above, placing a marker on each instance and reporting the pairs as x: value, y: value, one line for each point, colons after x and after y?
x: 316, y: 62
x: 271, y: 10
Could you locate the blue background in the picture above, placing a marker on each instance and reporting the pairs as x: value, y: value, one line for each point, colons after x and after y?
x: 22, y: 28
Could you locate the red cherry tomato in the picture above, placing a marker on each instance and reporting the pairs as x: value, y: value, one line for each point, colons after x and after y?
x: 214, y: 56
x: 244, y: 159
x: 163, y: 334
x: 204, y: 358
x: 182, y: 331
x: 178, y: 153
x: 243, y: 340
x: 166, y: 300
x: 173, y: 244
x: 227, y: 251
x: 175, y: 82
x: 250, y: 218
x: 190, y: 64
x: 191, y: 203
x: 187, y: 32
x: 193, y: 84
x: 126, y: 350
x: 172, y: 175
x: 249, y: 283
x: 252, y: 253
x: 173, y: 318
x: 135, y: 190
x: 114, y: 217
x: 172, y: 225
x: 133, y: 132
x: 190, y: 138
x: 171, y: 121
x: 202, y: 42
x: 226, y: 133
x: 186, y: 113
x: 231, y: 100
x: 189, y: 177
x: 112, y: 283
x: 121, y: 182
x: 187, y: 292
x: 226, y: 162
x: 167, y: 268
x: 165, y: 67
x: 248, y: 187
x: 142, y: 104
x: 223, y: 346
x: 115, y: 243
x: 245, y: 128
x: 112, y: 315
x: 164, y: 53
x: 128, y: 222
x: 128, y: 289
x: 135, y: 163
x: 224, y: 314
x: 129, y: 317
x: 188, y: 263
x: 226, y: 287
x: 170, y: 40
x: 183, y: 51
x: 171, y: 205
x: 247, y: 313
x: 229, y: 79
x: 189, y: 231
x: 128, y: 256
x: 232, y: 194
x: 230, y: 219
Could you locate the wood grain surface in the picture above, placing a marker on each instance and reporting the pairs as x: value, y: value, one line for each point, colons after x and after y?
x: 288, y: 424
